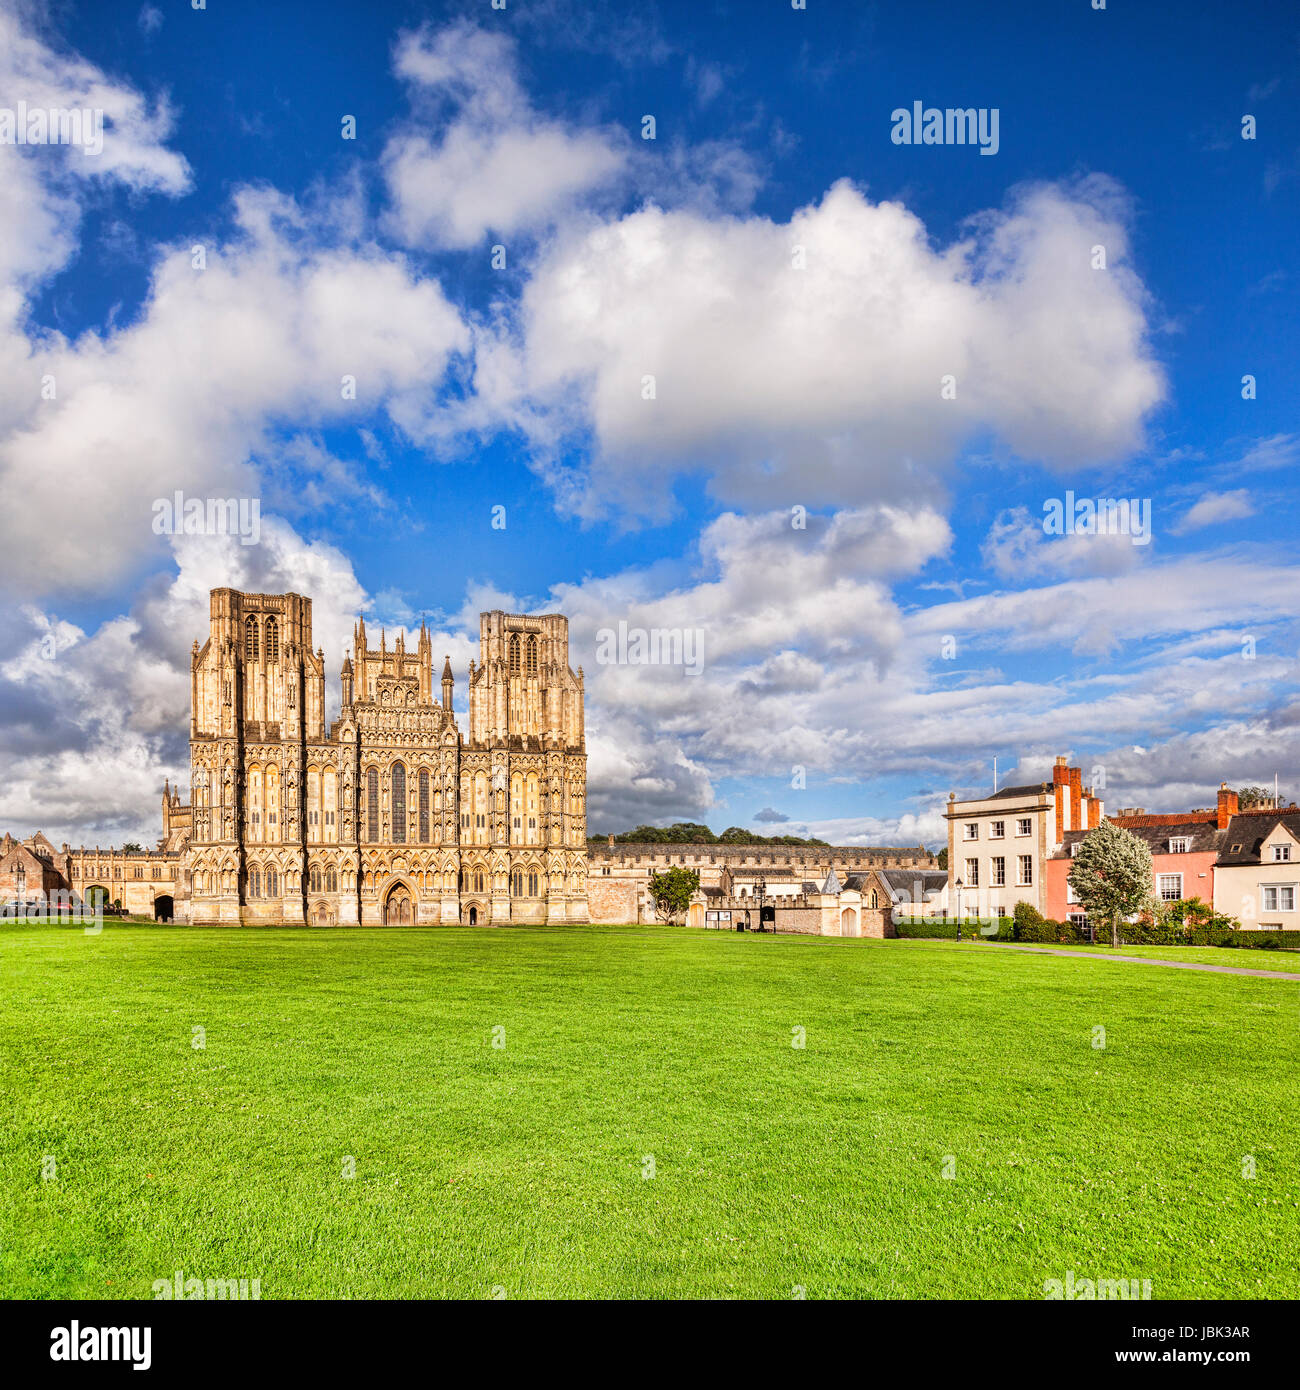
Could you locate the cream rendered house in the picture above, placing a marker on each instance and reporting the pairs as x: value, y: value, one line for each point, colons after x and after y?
x: 1257, y: 877
x: 999, y: 845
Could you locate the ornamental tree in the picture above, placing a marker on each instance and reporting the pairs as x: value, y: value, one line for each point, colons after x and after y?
x: 672, y: 892
x: 1111, y: 875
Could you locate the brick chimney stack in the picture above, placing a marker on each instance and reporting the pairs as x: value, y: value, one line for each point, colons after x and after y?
x: 1061, y: 788
x: 1227, y: 805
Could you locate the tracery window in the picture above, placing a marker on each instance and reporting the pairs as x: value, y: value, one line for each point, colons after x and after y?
x: 372, y: 804
x: 424, y: 805
x: 250, y: 640
x: 514, y: 653
x: 399, y: 804
x: 272, y: 640
x: 532, y: 654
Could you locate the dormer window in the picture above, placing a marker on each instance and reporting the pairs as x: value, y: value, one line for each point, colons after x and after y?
x: 1281, y: 854
x: 1074, y: 848
x: 1180, y: 844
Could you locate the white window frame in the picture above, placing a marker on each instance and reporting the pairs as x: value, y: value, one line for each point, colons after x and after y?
x: 998, y: 871
x: 1023, y: 821
x: 1024, y: 876
x: 1164, y: 897
x: 998, y: 830
x: 1180, y: 844
x: 971, y: 831
x: 1281, y: 854
x: 1277, y: 889
x: 972, y: 873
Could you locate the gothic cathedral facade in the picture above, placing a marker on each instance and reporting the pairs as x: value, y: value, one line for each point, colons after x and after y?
x: 389, y: 815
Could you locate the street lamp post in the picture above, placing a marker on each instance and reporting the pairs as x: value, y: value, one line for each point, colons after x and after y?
x: 959, y: 885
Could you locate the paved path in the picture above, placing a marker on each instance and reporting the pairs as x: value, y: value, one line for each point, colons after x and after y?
x: 1147, y: 960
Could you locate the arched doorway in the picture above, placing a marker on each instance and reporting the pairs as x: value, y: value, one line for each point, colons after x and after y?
x: 162, y: 908
x: 398, y: 908
x: 473, y: 917
x: 848, y: 922
x: 95, y: 897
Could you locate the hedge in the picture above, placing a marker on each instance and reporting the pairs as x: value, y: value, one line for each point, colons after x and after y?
x: 945, y: 928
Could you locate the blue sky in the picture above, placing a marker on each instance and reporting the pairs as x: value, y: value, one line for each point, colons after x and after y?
x: 921, y: 622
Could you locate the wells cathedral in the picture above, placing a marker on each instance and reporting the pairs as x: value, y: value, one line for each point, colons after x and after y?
x: 391, y: 815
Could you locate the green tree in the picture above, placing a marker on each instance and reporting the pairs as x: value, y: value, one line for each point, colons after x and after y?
x: 1111, y: 875
x: 1253, y: 796
x: 672, y: 892
x: 132, y: 847
x: 943, y: 858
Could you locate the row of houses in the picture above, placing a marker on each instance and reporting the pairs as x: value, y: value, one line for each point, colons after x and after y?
x: 1016, y: 846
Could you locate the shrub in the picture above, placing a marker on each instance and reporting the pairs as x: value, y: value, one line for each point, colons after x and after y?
x: 1207, y: 936
x: 927, y: 928
x: 1263, y: 940
x: 1150, y: 930
x: 1025, y: 915
x: 945, y: 928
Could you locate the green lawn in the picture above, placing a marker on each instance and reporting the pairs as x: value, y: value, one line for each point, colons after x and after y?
x: 1233, y: 957
x: 521, y: 1169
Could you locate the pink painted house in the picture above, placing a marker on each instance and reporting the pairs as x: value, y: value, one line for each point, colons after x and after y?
x: 1184, y: 847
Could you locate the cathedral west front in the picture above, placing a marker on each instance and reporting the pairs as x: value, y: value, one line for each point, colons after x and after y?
x: 390, y: 815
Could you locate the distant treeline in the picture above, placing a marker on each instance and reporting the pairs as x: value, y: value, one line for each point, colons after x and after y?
x: 689, y: 833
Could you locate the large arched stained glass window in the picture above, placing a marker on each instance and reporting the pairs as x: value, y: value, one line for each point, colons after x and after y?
x: 399, y: 804
x: 424, y: 805
x: 372, y: 804
x: 272, y: 640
